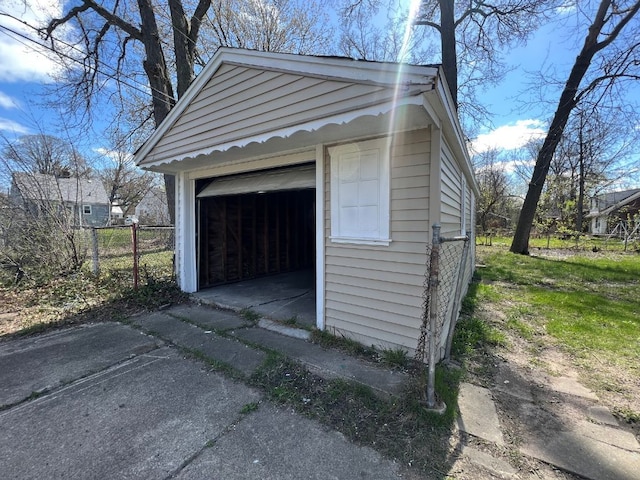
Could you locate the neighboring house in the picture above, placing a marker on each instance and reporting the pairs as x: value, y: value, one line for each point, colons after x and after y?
x: 84, y: 199
x: 117, y: 214
x: 152, y: 208
x: 609, y: 209
x: 287, y: 162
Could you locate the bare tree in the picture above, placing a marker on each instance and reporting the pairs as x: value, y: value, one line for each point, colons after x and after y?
x: 495, y: 204
x: 270, y: 26
x: 594, y: 145
x: 42, y: 219
x: 386, y: 40
x: 473, y: 33
x: 471, y: 36
x: 613, y: 42
x: 123, y: 181
x: 158, y: 44
x: 44, y: 154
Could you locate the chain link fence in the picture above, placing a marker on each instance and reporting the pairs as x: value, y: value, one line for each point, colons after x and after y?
x: 133, y: 253
x: 447, y: 268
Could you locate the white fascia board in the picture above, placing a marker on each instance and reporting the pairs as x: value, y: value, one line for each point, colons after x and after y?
x: 311, y: 126
x: 324, y: 67
x: 336, y: 68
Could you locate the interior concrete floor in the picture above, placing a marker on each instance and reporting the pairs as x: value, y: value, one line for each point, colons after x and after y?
x: 283, y: 297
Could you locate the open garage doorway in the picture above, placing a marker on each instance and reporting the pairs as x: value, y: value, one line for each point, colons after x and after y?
x: 256, y: 242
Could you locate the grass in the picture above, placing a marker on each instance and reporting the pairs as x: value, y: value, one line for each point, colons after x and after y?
x: 400, y: 428
x: 589, y: 305
x: 555, y: 242
x: 345, y: 344
x: 584, y: 303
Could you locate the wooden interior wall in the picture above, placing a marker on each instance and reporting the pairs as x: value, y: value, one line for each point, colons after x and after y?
x: 252, y: 235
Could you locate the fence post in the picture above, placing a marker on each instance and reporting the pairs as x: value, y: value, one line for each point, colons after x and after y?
x: 433, y: 316
x: 134, y: 241
x: 94, y: 252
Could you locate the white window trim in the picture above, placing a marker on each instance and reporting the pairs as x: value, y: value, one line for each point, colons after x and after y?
x: 384, y: 207
x: 83, y: 210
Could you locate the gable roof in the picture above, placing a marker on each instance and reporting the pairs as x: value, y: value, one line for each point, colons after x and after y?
x: 244, y: 98
x: 40, y: 187
x: 609, y: 202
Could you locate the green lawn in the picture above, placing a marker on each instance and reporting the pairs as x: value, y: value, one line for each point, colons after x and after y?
x: 590, y: 305
x: 584, y: 243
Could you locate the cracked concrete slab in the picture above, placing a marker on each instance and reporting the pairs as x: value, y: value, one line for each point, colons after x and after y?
x: 571, y: 386
x: 584, y: 456
x: 43, y: 362
x: 611, y: 436
x: 141, y: 419
x: 226, y: 350
x: 478, y: 415
x: 208, y: 317
x: 602, y: 415
x: 275, y: 444
x: 328, y: 363
x: 497, y: 466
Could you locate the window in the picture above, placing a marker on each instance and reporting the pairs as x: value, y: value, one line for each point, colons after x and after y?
x: 86, y: 209
x: 360, y: 192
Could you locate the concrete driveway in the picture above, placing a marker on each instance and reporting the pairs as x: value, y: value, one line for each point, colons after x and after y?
x: 105, y: 401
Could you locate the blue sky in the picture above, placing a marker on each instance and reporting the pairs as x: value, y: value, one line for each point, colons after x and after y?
x: 24, y: 72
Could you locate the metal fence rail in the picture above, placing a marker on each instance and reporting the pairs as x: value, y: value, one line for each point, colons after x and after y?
x: 133, y: 252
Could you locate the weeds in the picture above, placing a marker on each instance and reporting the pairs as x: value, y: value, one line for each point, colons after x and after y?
x: 395, y: 357
x: 249, y: 408
x: 344, y: 344
x: 400, y: 428
x: 250, y: 315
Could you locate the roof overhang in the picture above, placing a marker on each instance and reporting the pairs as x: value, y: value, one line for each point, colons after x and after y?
x: 371, y: 121
x: 420, y: 99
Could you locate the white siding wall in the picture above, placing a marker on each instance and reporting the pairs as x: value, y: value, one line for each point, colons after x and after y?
x: 450, y: 216
x: 374, y: 293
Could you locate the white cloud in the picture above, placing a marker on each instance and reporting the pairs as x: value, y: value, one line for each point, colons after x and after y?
x: 509, y: 137
x: 7, y: 125
x: 21, y: 59
x: 8, y: 102
x: 114, y: 156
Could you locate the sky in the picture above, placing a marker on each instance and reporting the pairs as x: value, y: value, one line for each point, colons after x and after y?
x: 24, y: 74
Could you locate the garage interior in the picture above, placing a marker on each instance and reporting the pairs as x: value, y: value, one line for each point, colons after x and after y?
x: 256, y: 241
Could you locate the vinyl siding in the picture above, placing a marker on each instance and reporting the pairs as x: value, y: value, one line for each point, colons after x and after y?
x: 374, y: 293
x: 241, y: 102
x: 450, y: 215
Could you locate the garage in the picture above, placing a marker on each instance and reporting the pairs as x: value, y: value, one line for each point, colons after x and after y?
x: 254, y: 225
x: 317, y: 180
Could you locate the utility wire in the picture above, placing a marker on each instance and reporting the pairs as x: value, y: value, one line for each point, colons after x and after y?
x: 114, y: 76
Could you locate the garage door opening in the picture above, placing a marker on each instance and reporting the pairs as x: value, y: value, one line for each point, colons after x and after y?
x: 255, y: 225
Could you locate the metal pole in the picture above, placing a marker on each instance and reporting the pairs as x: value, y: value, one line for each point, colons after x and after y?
x: 95, y: 255
x: 433, y: 316
x: 134, y: 241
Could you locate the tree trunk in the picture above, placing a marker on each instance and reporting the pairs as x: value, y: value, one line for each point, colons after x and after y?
x: 580, y: 202
x: 181, y: 41
x: 155, y: 67
x: 566, y: 104
x: 448, y: 45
